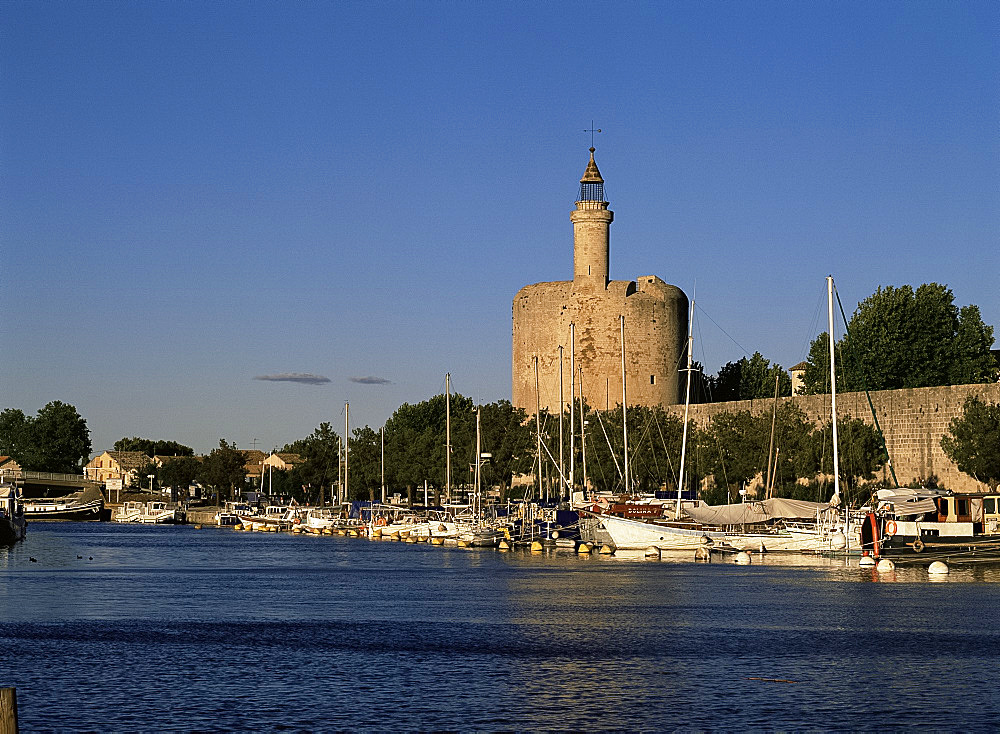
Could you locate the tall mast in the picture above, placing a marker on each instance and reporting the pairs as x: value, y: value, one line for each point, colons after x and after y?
x: 572, y: 406
x: 447, y: 440
x: 687, y: 406
x: 833, y: 395
x: 583, y: 434
x: 538, y: 431
x: 628, y: 486
x: 479, y: 454
x: 383, y: 464
x: 347, y: 413
x: 562, y: 480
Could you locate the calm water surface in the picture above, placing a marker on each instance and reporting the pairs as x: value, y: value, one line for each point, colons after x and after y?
x: 128, y: 628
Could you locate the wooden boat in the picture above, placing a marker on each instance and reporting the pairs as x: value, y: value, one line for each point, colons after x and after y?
x: 78, y: 506
x: 13, y: 526
x: 925, y: 525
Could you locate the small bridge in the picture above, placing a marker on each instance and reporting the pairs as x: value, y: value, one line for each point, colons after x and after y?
x: 38, y: 484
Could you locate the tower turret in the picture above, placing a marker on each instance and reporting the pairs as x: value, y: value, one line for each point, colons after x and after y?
x: 591, y: 228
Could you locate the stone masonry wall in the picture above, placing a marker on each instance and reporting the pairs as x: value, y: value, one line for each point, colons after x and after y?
x: 913, y: 422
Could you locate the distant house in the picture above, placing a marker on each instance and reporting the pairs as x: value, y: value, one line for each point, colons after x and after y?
x: 283, y: 462
x: 253, y: 462
x: 798, y: 373
x: 8, y: 466
x: 124, y: 465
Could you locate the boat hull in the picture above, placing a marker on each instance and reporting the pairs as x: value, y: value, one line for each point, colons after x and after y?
x: 635, y: 535
x: 44, y: 510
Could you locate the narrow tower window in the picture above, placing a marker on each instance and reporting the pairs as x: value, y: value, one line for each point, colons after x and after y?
x: 652, y: 379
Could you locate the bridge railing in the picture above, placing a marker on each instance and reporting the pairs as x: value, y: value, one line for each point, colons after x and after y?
x: 40, y: 476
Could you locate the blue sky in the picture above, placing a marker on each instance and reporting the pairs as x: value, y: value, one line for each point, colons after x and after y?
x: 197, y: 194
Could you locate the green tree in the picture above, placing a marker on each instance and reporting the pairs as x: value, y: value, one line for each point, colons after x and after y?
x: 55, y: 440
x: 224, y: 470
x: 320, y: 452
x: 973, y: 440
x: 749, y: 379
x: 860, y: 455
x: 506, y: 435
x: 179, y: 472
x: 365, y: 465
x: 15, y: 440
x: 904, y: 338
x: 153, y: 448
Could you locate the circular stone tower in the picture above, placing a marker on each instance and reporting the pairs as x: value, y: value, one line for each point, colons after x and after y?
x: 655, y: 321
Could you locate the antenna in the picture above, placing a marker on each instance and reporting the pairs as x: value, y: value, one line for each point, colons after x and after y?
x: 592, y: 130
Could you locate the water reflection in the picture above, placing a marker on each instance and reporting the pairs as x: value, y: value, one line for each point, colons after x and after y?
x: 339, y: 633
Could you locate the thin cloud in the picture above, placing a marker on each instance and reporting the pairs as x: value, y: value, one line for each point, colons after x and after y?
x: 302, y: 377
x: 370, y: 380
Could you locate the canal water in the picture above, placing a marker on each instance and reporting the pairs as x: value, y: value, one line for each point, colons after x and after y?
x: 127, y: 628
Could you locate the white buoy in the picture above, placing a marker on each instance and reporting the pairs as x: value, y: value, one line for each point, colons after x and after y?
x: 536, y: 546
x: 838, y: 541
x: 504, y: 545
x: 866, y: 561
x: 885, y: 565
x: 743, y: 559
x: 584, y: 549
x: 652, y: 552
x: 938, y: 568
x: 555, y: 535
x: 607, y: 550
x: 702, y: 553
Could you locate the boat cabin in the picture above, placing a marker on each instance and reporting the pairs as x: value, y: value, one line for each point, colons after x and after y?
x: 981, y: 510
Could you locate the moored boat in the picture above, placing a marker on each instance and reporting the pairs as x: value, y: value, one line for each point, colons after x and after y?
x: 78, y: 506
x: 924, y: 525
x: 13, y: 525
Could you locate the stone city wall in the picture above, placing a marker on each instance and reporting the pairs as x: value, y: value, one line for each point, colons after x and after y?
x: 913, y: 422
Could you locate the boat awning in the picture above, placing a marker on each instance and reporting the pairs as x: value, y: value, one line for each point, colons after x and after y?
x: 756, y: 512
x: 908, y: 501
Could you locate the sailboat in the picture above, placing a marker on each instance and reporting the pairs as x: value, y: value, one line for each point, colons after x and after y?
x: 822, y: 529
x: 628, y: 534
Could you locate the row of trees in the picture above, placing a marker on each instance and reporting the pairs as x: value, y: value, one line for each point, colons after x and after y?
x: 56, y: 439
x: 897, y: 338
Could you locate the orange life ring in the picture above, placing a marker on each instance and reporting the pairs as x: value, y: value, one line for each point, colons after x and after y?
x: 380, y: 521
x: 890, y: 528
x: 297, y: 521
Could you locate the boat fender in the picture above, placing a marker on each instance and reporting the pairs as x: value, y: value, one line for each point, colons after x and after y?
x: 917, y: 545
x: 890, y: 528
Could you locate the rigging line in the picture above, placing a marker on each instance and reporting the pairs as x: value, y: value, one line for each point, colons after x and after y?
x: 699, y: 308
x: 610, y: 447
x: 666, y: 451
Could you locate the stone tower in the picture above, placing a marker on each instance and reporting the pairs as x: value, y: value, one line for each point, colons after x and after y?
x: 655, y: 323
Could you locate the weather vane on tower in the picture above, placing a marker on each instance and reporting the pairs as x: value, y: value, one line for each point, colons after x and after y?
x: 592, y: 130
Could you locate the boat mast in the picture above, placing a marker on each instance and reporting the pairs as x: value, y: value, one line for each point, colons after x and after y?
x: 770, y: 448
x: 347, y: 412
x: 383, y: 464
x: 687, y: 406
x: 447, y: 435
x: 624, y: 406
x: 562, y: 479
x: 833, y: 395
x: 538, y: 431
x: 572, y: 406
x: 583, y: 434
x: 479, y: 498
